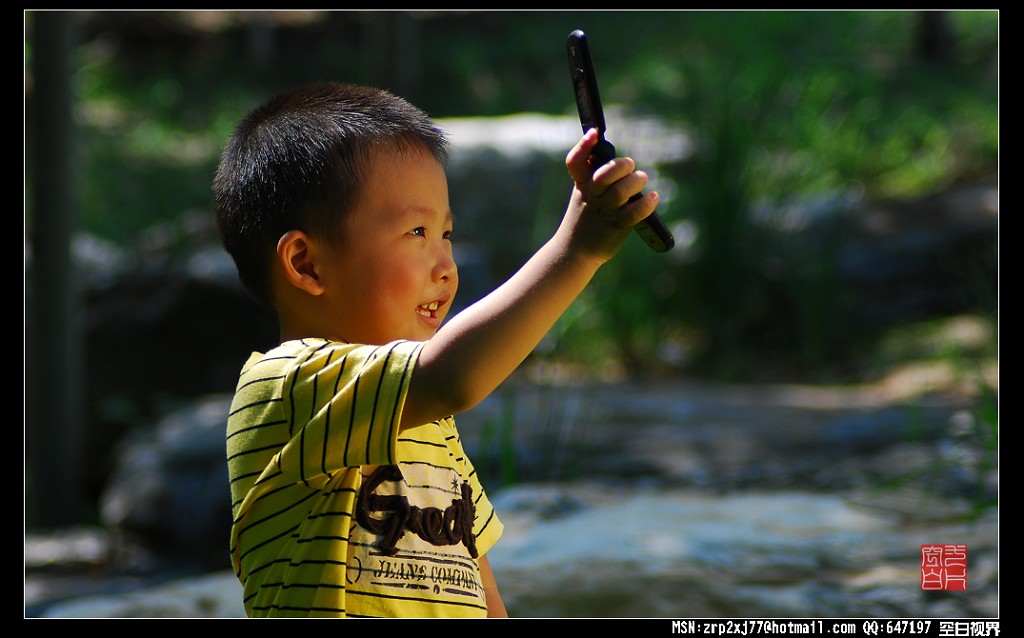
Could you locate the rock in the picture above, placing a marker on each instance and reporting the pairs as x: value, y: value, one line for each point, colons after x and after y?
x: 168, y: 501
x: 215, y: 595
x: 906, y: 260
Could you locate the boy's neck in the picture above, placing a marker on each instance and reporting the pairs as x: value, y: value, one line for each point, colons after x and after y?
x: 298, y: 320
x: 290, y: 331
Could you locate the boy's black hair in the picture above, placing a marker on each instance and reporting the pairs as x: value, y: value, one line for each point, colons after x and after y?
x: 298, y: 163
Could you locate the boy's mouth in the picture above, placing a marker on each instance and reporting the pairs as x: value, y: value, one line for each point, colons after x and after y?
x: 428, y: 310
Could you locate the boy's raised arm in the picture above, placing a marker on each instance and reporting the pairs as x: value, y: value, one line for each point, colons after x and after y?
x: 480, y: 347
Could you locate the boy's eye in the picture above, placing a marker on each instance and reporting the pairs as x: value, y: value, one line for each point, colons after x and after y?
x: 421, y: 231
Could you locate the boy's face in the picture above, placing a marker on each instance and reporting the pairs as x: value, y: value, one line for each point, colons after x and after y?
x: 394, y: 277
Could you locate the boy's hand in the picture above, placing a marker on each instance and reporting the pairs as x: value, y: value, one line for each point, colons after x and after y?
x: 600, y: 216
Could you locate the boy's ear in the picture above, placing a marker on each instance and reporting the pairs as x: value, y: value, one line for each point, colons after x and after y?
x: 297, y: 257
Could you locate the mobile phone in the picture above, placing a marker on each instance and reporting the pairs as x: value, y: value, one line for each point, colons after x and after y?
x: 588, y: 102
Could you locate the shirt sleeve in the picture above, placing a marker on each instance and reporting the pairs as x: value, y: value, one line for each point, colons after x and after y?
x: 342, y: 406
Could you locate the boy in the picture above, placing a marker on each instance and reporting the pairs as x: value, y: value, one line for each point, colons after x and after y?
x: 351, y: 494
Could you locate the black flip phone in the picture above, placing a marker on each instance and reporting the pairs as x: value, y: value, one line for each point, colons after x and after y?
x: 588, y: 102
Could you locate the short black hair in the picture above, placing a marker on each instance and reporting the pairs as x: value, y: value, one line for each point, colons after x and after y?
x: 298, y: 162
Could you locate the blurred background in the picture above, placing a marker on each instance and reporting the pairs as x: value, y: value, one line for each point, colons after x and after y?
x: 826, y: 327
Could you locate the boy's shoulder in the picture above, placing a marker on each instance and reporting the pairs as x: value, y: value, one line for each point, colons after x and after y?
x: 310, y: 350
x: 284, y: 351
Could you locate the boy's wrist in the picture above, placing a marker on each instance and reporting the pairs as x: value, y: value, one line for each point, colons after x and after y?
x: 575, y: 253
x: 589, y: 246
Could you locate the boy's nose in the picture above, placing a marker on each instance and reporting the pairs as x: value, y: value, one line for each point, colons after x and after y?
x: 445, y: 268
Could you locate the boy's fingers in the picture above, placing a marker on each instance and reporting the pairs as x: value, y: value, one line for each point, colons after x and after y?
x: 618, y: 185
x: 641, y: 208
x: 578, y: 159
x: 617, y: 169
x: 611, y: 185
x: 635, y: 211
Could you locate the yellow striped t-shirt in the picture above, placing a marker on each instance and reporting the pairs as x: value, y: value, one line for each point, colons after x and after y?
x: 334, y: 512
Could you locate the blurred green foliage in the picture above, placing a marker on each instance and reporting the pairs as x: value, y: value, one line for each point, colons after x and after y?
x: 785, y: 104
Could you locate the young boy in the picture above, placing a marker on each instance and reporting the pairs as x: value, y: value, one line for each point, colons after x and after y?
x: 351, y: 493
